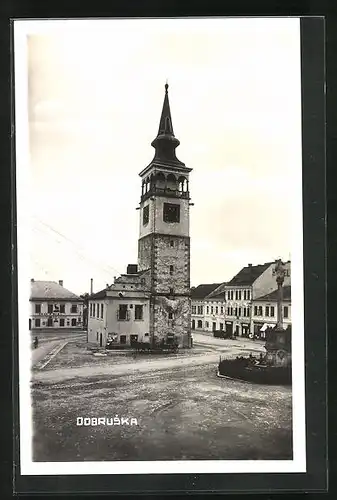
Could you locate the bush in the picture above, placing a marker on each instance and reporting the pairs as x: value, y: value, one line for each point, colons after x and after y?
x: 244, y: 369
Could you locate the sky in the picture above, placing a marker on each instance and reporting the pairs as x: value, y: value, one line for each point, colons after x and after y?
x: 95, y: 94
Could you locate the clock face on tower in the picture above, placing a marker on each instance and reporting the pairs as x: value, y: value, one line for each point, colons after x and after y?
x: 171, y: 212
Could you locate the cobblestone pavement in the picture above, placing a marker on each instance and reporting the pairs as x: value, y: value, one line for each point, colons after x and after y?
x: 183, y: 412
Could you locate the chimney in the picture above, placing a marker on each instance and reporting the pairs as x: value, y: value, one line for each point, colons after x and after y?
x: 91, y: 286
x: 61, y: 282
x: 32, y: 280
x: 132, y: 269
x: 250, y: 265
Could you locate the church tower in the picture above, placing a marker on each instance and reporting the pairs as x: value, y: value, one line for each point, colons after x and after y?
x: 164, y: 241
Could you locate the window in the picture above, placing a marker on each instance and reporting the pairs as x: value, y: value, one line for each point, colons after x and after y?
x: 37, y: 322
x: 145, y: 215
x: 244, y: 295
x: 171, y: 291
x: 38, y: 308
x: 227, y: 311
x: 194, y: 309
x: 207, y: 309
x: 248, y: 294
x: 97, y: 310
x: 272, y: 311
x: 216, y: 310
x: 94, y: 310
x: 236, y: 311
x: 49, y: 322
x: 73, y: 321
x: 267, y: 310
x: 239, y: 311
x: 102, y: 309
x: 122, y: 339
x: 123, y: 312
x: 61, y: 321
x: 255, y: 310
x: 171, y: 243
x: 221, y: 310
x: 90, y: 310
x: 50, y: 308
x: 211, y: 309
x: 171, y: 212
x: 199, y: 323
x: 171, y: 270
x: 239, y: 294
x: 170, y: 315
x: 207, y: 324
x: 138, y: 312
x: 260, y: 311
x: 200, y: 310
x: 62, y: 309
x: 221, y: 326
x: 73, y: 308
x: 285, y: 312
x: 236, y: 295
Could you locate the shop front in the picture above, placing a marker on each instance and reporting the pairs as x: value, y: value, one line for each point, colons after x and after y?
x: 245, y: 330
x: 229, y: 327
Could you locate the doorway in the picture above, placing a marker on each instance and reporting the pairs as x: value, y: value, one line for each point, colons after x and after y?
x: 213, y: 326
x: 193, y: 324
x: 133, y: 339
x: 100, y: 340
x: 30, y: 324
x: 229, y: 328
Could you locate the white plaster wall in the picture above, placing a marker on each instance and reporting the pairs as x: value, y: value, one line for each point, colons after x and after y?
x: 266, y: 283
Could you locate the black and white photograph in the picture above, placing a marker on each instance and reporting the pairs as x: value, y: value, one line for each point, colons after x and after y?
x: 160, y: 246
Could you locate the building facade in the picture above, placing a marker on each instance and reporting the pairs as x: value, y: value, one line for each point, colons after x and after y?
x: 54, y: 307
x: 264, y: 311
x: 199, y: 306
x: 229, y: 306
x: 160, y: 282
x: 120, y: 313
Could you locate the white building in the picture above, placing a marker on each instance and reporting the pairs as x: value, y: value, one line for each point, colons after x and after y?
x: 228, y: 306
x: 198, y: 305
x: 120, y: 312
x: 249, y: 284
x: 265, y: 311
x: 54, y: 307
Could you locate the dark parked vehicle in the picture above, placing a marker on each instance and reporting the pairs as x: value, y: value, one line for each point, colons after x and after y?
x: 221, y: 334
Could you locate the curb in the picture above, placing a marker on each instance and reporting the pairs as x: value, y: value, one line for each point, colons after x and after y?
x: 44, y: 362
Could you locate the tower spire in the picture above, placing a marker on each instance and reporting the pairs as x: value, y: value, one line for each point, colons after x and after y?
x: 165, y: 143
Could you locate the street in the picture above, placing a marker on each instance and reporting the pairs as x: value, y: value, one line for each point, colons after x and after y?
x: 184, y: 410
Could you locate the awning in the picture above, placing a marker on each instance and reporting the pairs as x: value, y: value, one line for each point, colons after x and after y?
x: 265, y: 326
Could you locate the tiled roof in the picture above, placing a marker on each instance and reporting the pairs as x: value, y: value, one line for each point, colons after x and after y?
x: 201, y: 291
x: 218, y: 293
x: 98, y: 295
x: 273, y: 296
x: 44, y: 290
x: 248, y: 275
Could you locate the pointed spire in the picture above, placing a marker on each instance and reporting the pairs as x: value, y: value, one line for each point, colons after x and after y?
x: 165, y: 143
x: 165, y: 124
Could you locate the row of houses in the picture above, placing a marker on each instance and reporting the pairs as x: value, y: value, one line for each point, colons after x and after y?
x: 245, y: 305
